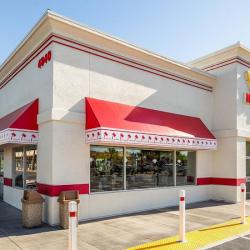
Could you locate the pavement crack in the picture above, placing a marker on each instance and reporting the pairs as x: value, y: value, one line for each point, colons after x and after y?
x: 15, y: 243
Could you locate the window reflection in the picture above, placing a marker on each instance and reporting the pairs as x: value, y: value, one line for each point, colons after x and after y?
x: 31, y: 167
x: 106, y: 168
x: 25, y: 166
x: 1, y: 163
x: 185, y: 167
x: 149, y: 168
x: 144, y: 168
x: 18, y: 167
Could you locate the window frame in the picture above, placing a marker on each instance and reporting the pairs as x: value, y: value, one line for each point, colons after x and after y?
x: 24, y: 148
x: 144, y: 148
x: 2, y: 160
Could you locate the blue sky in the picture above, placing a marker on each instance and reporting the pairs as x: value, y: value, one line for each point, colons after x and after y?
x: 179, y: 29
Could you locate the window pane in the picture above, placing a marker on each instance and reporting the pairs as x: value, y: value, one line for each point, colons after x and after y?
x: 166, y: 169
x: 25, y: 166
x: 31, y: 167
x: 1, y: 174
x: 185, y: 167
x: 248, y: 167
x: 106, y: 168
x: 18, y: 167
x: 149, y: 168
x: 247, y: 148
x: 1, y: 163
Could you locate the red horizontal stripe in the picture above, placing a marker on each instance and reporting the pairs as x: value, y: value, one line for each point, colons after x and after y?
x: 220, y: 181
x: 37, y: 52
x: 26, y: 61
x: 204, y: 181
x: 231, y: 60
x: 55, y: 190
x: 228, y: 62
x: 200, y: 86
x: 127, y: 60
x: 7, y: 182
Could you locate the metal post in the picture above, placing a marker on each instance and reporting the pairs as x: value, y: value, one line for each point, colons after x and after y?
x: 243, y: 203
x: 72, y: 225
x: 174, y: 170
x: 125, y: 168
x: 182, y: 217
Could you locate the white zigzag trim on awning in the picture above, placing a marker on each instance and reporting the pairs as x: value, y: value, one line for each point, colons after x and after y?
x: 18, y: 136
x: 117, y: 136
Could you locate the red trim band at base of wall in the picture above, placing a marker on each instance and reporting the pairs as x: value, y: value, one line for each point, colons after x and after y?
x: 7, y: 181
x: 55, y: 190
x: 220, y: 181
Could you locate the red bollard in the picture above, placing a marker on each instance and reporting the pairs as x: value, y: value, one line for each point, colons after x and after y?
x: 72, y: 225
x: 182, y: 217
x: 243, y: 203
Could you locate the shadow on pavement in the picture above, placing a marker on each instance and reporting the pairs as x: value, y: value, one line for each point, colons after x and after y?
x: 10, y: 218
x: 10, y: 223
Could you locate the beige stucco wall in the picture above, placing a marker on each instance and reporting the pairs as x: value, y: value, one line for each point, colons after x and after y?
x: 77, y: 75
x: 31, y: 83
x: 71, y: 75
x: 231, y: 128
x: 63, y: 156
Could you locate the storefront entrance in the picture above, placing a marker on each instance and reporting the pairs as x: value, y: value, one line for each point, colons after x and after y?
x: 1, y: 175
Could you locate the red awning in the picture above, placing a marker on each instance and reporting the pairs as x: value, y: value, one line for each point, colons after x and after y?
x: 20, y: 126
x: 110, y: 122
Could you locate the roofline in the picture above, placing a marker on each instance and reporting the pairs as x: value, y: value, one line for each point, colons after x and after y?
x: 54, y: 15
x: 237, y: 45
x: 128, y: 44
x: 22, y: 42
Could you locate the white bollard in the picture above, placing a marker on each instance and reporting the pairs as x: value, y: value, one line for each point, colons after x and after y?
x: 72, y: 225
x: 182, y: 217
x: 243, y: 203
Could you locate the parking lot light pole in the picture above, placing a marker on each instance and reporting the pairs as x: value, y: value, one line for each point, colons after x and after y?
x: 72, y: 225
x: 182, y: 216
x: 243, y: 203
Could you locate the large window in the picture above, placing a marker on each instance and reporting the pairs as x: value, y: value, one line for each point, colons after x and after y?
x: 149, y: 168
x: 106, y: 168
x: 25, y: 166
x: 118, y: 168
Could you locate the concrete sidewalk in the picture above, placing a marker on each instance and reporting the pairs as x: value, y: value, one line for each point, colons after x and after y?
x: 113, y: 233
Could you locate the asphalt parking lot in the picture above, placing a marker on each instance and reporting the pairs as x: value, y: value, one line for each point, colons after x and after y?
x: 239, y: 243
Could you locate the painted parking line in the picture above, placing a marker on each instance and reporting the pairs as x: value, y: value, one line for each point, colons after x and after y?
x: 199, y: 238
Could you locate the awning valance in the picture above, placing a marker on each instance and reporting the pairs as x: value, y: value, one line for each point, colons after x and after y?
x: 20, y: 126
x: 110, y: 122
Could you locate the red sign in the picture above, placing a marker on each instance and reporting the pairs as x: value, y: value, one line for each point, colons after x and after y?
x: 45, y: 59
x: 247, y: 98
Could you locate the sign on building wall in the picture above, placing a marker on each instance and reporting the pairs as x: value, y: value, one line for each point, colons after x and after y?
x: 247, y: 95
x: 44, y: 59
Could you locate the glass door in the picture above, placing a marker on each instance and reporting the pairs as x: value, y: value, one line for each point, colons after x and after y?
x: 1, y: 175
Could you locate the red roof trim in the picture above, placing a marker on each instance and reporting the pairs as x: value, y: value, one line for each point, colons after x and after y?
x: 105, y: 55
x: 24, y: 118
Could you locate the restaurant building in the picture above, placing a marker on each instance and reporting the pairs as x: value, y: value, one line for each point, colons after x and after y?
x: 128, y: 128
